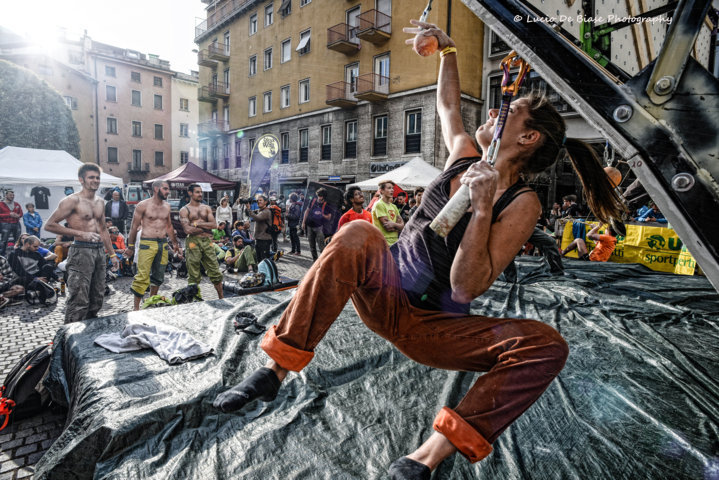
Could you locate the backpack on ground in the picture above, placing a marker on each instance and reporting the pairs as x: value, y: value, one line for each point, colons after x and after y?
x: 188, y: 294
x: 251, y: 280
x: 277, y: 224
x: 19, y: 396
x: 40, y: 293
x: 269, y: 269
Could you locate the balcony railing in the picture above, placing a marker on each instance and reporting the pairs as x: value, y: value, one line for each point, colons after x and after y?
x: 219, y: 51
x: 219, y: 15
x: 203, y: 95
x: 341, y: 94
x: 203, y: 58
x: 372, y: 87
x: 218, y: 90
x: 343, y: 38
x: 374, y: 26
x: 212, y: 128
x: 133, y: 167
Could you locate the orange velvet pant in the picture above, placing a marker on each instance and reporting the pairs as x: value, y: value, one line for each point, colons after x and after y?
x: 520, y: 357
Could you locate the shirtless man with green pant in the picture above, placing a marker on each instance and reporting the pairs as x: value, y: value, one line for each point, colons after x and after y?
x: 153, y: 217
x: 198, y: 221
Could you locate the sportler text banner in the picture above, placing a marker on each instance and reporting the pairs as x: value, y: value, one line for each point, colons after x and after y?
x: 658, y: 248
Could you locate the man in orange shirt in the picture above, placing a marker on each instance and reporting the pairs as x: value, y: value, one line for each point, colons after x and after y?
x: 602, y: 250
x: 355, y: 198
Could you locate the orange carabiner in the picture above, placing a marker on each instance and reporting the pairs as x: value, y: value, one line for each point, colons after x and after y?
x: 512, y: 61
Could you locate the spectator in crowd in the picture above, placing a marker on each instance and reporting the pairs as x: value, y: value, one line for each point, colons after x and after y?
x: 219, y: 233
x: 282, y: 203
x: 86, y: 264
x: 385, y: 214
x: 246, y: 234
x: 46, y: 254
x: 32, y: 220
x: 223, y: 214
x: 375, y: 198
x: 314, y: 220
x: 29, y: 264
x: 418, y: 200
x: 554, y: 214
x: 9, y: 286
x: 355, y: 199
x: 61, y: 246
x: 602, y: 249
x: 184, y: 200
x: 276, y: 211
x: 118, y: 241
x: 10, y: 215
x: 197, y: 221
x: 294, y: 212
x: 570, y: 207
x: 236, y: 227
x: 650, y: 213
x: 401, y: 203
x: 240, y: 257
x: 262, y: 218
x: 116, y: 210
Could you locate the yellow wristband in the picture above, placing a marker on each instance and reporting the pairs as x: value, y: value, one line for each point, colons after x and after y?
x: 113, y: 255
x: 447, y: 51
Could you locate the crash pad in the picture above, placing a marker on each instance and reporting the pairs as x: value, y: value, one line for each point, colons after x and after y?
x: 637, y: 399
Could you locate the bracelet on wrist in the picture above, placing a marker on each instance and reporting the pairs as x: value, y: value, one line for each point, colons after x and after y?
x: 113, y: 255
x: 447, y: 51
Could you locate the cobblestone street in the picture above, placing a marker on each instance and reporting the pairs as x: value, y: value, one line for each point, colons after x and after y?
x: 25, y: 327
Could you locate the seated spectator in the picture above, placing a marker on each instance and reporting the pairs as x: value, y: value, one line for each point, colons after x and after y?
x: 28, y: 264
x: 61, y: 247
x: 32, y: 220
x: 8, y: 283
x: 246, y: 234
x: 240, y: 257
x: 602, y: 250
x: 118, y: 240
x: 236, y: 227
x: 219, y: 232
x: 650, y: 213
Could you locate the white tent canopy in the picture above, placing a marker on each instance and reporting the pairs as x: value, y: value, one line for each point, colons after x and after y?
x: 413, y: 174
x: 20, y: 166
x: 43, y: 178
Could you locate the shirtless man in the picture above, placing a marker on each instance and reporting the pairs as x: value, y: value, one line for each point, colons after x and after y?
x: 153, y: 216
x: 197, y: 221
x: 85, y: 217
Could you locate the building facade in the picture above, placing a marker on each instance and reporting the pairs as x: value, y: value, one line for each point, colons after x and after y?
x: 185, y: 117
x: 136, y: 117
x: 333, y: 81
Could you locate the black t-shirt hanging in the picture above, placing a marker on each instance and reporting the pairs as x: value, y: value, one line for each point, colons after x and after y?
x: 40, y: 194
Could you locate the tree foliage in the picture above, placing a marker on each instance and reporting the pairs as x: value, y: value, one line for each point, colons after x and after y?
x: 33, y: 114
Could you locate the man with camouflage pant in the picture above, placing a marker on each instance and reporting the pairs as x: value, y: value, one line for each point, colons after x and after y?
x: 84, y: 213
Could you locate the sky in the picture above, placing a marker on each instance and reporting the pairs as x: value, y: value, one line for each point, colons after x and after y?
x: 161, y: 27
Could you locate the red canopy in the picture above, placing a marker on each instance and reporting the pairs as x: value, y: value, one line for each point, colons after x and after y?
x: 190, y: 173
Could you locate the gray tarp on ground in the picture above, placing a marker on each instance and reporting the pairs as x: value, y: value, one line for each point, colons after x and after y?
x: 638, y: 397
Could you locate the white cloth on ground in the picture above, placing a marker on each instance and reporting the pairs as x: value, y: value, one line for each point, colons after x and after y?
x: 172, y: 345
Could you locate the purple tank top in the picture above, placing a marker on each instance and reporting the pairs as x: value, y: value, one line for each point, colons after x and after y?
x: 424, y: 258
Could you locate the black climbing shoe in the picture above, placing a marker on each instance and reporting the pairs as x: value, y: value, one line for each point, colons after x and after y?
x: 407, y: 469
x: 262, y: 384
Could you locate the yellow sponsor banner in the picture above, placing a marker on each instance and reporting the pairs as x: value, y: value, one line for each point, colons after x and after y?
x: 658, y: 248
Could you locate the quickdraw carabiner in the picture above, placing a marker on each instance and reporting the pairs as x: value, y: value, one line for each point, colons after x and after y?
x: 509, y: 90
x: 512, y: 61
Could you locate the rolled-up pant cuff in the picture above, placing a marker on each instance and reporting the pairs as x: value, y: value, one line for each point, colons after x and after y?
x: 461, y: 434
x: 286, y: 356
